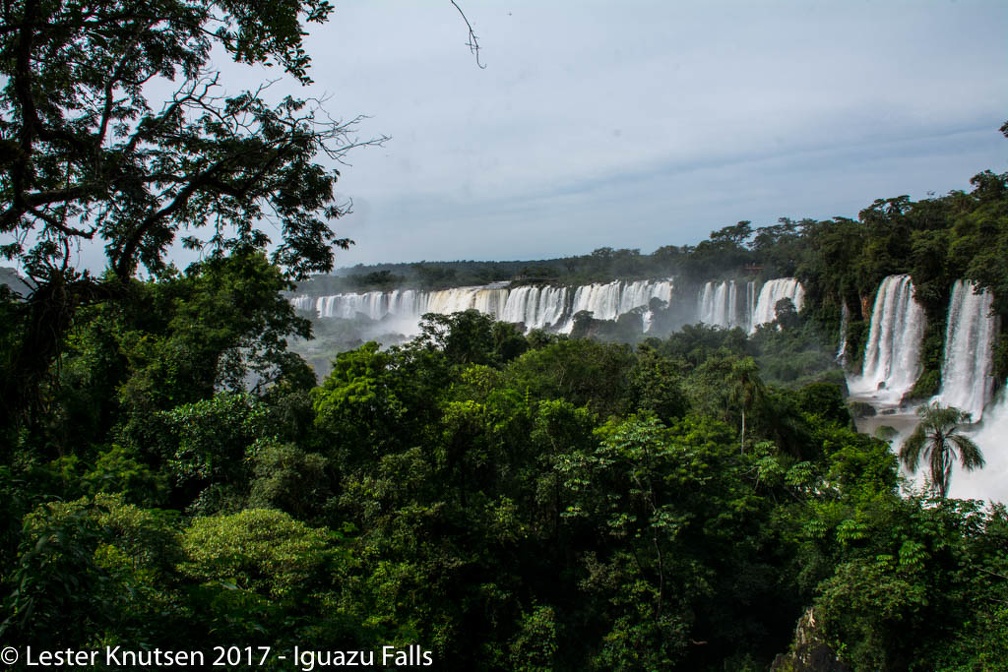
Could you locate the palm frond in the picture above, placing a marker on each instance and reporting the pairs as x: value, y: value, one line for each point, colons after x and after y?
x: 937, y: 439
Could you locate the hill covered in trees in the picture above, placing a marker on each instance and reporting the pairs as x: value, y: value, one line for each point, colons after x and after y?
x: 176, y: 484
x: 503, y: 499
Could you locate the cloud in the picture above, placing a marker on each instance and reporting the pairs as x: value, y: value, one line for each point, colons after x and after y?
x: 643, y: 122
x: 647, y: 123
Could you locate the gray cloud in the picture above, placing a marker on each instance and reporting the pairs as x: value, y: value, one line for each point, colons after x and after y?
x: 645, y: 123
x: 639, y: 124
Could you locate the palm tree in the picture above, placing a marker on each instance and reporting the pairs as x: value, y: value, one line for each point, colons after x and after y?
x: 938, y: 440
x: 744, y: 388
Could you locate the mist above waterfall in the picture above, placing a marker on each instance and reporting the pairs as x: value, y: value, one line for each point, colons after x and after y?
x: 991, y: 482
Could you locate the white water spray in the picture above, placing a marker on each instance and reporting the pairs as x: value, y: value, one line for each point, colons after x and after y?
x: 536, y: 307
x: 773, y: 291
x: 967, y: 381
x: 892, y: 353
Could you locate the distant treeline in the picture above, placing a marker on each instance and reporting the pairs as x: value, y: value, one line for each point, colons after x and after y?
x: 840, y: 261
x: 603, y: 264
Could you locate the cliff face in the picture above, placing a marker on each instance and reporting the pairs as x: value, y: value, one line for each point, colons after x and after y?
x: 809, y: 651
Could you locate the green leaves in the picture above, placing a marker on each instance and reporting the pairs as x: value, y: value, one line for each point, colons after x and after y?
x: 98, y: 160
x: 92, y: 571
x: 938, y: 440
x: 212, y: 436
x: 259, y: 550
x: 92, y: 156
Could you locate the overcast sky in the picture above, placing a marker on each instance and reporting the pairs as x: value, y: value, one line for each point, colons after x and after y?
x: 645, y: 123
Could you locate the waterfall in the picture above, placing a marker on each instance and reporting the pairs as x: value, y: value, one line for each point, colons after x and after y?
x: 773, y: 291
x: 892, y: 353
x: 639, y: 294
x: 372, y: 305
x: 750, y: 305
x: 304, y: 302
x: 971, y: 330
x: 602, y: 300
x: 489, y: 300
x: 991, y: 482
x: 536, y: 307
x: 841, y: 355
x: 610, y: 300
x: 718, y: 304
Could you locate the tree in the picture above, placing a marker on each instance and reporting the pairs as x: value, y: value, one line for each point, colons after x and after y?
x: 786, y: 314
x: 250, y: 571
x: 465, y: 337
x: 937, y: 439
x: 583, y: 372
x: 89, y: 157
x: 93, y: 570
x: 732, y: 236
x: 744, y: 388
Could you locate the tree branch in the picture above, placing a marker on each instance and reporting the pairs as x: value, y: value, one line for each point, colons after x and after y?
x: 473, y: 42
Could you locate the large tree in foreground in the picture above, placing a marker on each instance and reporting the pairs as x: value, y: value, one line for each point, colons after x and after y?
x: 89, y: 156
x: 939, y: 441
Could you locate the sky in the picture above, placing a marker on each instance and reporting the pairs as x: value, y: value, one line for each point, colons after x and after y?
x: 641, y: 123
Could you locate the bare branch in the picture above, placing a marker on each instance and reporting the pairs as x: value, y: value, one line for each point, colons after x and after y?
x: 473, y: 42
x: 59, y: 225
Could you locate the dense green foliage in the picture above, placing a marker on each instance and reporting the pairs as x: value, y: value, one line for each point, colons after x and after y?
x: 172, y: 477
x: 505, y: 502
x: 116, y: 133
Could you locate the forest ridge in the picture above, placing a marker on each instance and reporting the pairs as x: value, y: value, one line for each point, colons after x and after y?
x: 173, y: 478
x: 502, y: 500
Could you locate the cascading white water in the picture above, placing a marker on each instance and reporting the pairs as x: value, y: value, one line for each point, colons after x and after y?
x: 489, y: 300
x: 372, y: 305
x: 535, y: 307
x: 892, y: 353
x: 773, y: 291
x: 553, y: 308
x: 991, y: 482
x: 602, y: 300
x: 610, y: 300
x: 718, y: 304
x: 750, y: 305
x: 841, y: 355
x: 304, y: 303
x: 640, y: 293
x: 971, y: 330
